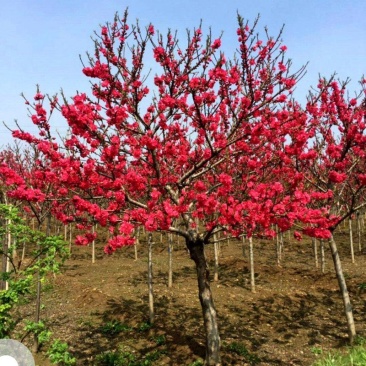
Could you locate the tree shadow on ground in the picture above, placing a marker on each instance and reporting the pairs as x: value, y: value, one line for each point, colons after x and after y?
x: 182, y: 331
x: 299, y: 315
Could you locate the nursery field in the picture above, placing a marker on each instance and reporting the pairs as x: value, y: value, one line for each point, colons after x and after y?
x: 295, y: 316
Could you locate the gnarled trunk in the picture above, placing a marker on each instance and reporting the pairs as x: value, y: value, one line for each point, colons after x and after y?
x: 196, y: 250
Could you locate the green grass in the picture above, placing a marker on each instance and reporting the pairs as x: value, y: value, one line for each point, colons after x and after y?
x: 355, y: 356
x: 115, y: 358
x: 145, y: 326
x: 126, y: 358
x: 114, y: 327
x: 197, y: 363
x: 241, y: 350
x: 159, y: 340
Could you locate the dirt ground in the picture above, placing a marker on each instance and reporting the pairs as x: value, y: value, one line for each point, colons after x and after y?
x: 295, y: 313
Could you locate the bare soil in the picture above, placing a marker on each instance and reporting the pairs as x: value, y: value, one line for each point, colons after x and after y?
x: 295, y: 312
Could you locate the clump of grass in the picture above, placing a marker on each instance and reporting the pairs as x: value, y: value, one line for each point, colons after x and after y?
x: 196, y: 363
x: 115, y: 358
x: 356, y: 356
x: 241, y: 350
x: 145, y: 326
x: 114, y: 327
x: 361, y: 287
x: 160, y: 340
x: 123, y: 357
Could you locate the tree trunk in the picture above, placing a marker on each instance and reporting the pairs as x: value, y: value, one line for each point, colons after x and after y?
x: 170, y: 259
x: 150, y: 281
x: 343, y: 287
x: 251, y: 262
x: 322, y: 256
x: 137, y: 242
x: 8, y: 240
x: 70, y: 238
x: 23, y: 255
x: 216, y: 255
x: 279, y: 243
x: 39, y: 287
x: 243, y: 245
x: 196, y: 250
x: 93, y: 245
x: 359, y: 232
x: 315, y: 251
x: 4, y: 261
x: 351, y: 240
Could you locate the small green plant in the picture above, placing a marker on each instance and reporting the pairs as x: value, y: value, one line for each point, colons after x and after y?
x: 40, y: 330
x: 153, y: 356
x: 360, y: 341
x: 361, y: 287
x: 241, y: 350
x: 316, y: 350
x: 196, y: 363
x: 145, y: 326
x: 126, y: 358
x: 116, y: 358
x: 160, y: 340
x: 59, y: 354
x: 114, y: 327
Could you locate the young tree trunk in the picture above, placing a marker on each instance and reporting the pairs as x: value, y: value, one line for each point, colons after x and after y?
x: 322, y: 256
x: 39, y: 288
x: 70, y: 237
x: 344, y: 291
x: 65, y: 232
x: 251, y: 261
x: 196, y: 250
x: 23, y: 254
x: 243, y: 245
x: 315, y: 251
x: 216, y: 255
x: 170, y: 253
x: 93, y: 245
x: 351, y: 240
x: 150, y: 280
x: 137, y: 242
x: 278, y: 248
x: 4, y: 261
x: 359, y: 231
x: 8, y: 245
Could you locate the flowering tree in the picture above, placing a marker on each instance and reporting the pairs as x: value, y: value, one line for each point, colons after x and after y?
x: 198, y: 148
x: 333, y: 162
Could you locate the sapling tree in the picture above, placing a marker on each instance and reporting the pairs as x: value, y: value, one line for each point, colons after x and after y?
x: 178, y: 138
x: 48, y: 256
x: 334, y: 162
x: 29, y: 181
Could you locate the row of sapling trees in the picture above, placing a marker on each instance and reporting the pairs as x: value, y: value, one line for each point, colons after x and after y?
x: 23, y: 191
x: 207, y: 144
x: 24, y: 170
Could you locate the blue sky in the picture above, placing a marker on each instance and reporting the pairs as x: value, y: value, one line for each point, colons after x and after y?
x: 41, y: 40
